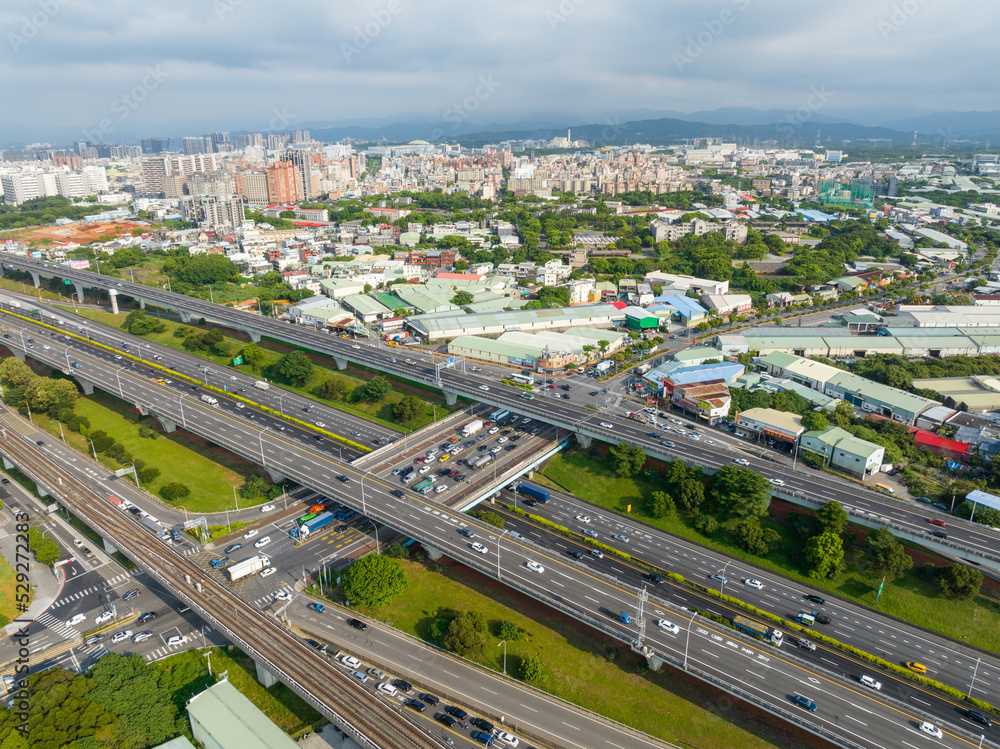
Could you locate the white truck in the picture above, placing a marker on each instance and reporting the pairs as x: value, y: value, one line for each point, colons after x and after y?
x: 250, y: 566
x: 603, y: 366
x: 472, y: 427
x: 643, y: 368
x: 261, y: 385
x: 15, y: 305
x: 210, y: 400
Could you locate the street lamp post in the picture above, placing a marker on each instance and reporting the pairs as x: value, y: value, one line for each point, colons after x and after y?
x: 261, y: 438
x: 237, y: 501
x: 27, y: 406
x: 62, y: 434
x: 498, y: 552
x: 364, y: 508
x: 504, y: 643
x: 976, y: 671
x: 92, y: 447
x: 687, y: 642
x: 281, y: 407
x: 180, y: 401
x: 722, y: 574
x: 118, y: 376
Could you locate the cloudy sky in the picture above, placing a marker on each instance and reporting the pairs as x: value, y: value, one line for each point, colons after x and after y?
x: 119, y: 69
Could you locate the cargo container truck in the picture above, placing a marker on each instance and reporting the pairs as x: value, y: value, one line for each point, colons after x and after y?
x: 250, y: 566
x: 472, y: 427
x: 758, y: 630
x: 535, y: 492
x: 317, y: 523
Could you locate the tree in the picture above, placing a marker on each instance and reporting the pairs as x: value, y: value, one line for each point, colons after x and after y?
x: 466, y: 636
x: 46, y: 549
x: 739, y: 491
x: 661, y: 505
x: 333, y: 388
x: 368, y: 288
x: 832, y: 518
x: 15, y: 373
x: 132, y: 691
x: 101, y: 440
x: 206, y: 270
x: 375, y: 389
x: 824, y: 554
x: 886, y: 556
x: 531, y: 669
x: 489, y: 517
x: 374, y: 580
x: 174, y: 491
x: 408, y: 408
x: 958, y: 581
x: 139, y: 323
x: 626, y: 459
x: 751, y: 536
x: 507, y: 630
x: 253, y: 355
x: 813, y: 421
x: 295, y: 367
x: 462, y: 298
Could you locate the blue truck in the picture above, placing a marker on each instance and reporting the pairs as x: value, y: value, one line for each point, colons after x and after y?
x: 536, y: 493
x: 317, y: 523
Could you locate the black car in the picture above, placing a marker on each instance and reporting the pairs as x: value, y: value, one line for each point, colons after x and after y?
x: 815, y: 599
x: 341, y: 528
x: 457, y: 712
x: 40, y: 443
x: 343, y: 478
x: 529, y: 502
x: 135, y: 510
x: 445, y: 719
x: 429, y: 698
x: 483, y: 725
x: 575, y: 554
x: 130, y: 594
x: 939, y: 534
x: 358, y: 625
x: 654, y: 578
x: 822, y: 618
x: 397, y: 493
x: 93, y: 639
x: 147, y: 617
x: 444, y: 471
x: 318, y: 437
x: 4, y: 481
x: 566, y: 396
x: 416, y: 705
x: 318, y: 645
x: 460, y: 477
x: 979, y: 717
x: 233, y: 547
x: 402, y: 685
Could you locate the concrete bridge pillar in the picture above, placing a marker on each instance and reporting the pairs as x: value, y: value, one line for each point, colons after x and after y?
x: 169, y: 427
x: 276, y: 478
x: 7, y: 465
x: 341, y: 362
x: 86, y: 386
x: 185, y: 317
x: 654, y: 662
x: 114, y: 301
x: 17, y: 354
x: 255, y: 335
x: 584, y: 440
x: 450, y: 397
x: 434, y: 554
x: 35, y: 278
x: 142, y: 304
x: 265, y: 677
x: 108, y: 546
x: 79, y: 291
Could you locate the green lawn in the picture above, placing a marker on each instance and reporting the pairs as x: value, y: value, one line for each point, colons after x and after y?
x: 659, y: 703
x: 210, y: 472
x: 8, y: 598
x: 379, y: 412
x: 909, y: 598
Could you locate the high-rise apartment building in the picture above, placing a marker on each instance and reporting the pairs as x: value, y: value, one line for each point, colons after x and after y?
x: 249, y: 139
x: 156, y: 168
x: 213, y: 211
x: 303, y: 162
x: 284, y: 183
x: 22, y: 186
x: 252, y: 187
x: 73, y: 162
x: 219, y: 183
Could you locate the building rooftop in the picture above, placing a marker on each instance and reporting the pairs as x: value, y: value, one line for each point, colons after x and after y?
x: 234, y: 721
x: 782, y: 419
x: 366, y: 305
x: 427, y: 324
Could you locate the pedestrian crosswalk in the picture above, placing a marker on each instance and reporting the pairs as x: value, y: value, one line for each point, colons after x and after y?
x: 50, y: 621
x: 101, y: 587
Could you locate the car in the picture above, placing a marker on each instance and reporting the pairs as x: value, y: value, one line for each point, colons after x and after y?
x: 979, y: 717
x: 119, y: 636
x: 653, y: 434
x: 415, y: 704
x: 777, y: 482
x: 871, y: 683
x: 40, y: 443
x: 938, y: 522
x: 483, y: 387
x: 147, y: 617
x: 507, y: 738
x: 429, y: 698
x: 822, y: 618
x: 620, y: 537
x: 350, y: 661
x: 402, y: 685
x: 444, y: 719
x: 360, y: 676
x: 479, y: 548
x: 319, y: 608
x: 93, y: 639
x: 751, y: 583
x: 589, y: 532
x: 534, y: 566
x: 597, y: 553
x: 87, y: 552
x: 923, y: 500
x: 397, y: 493
x: 344, y: 479
x: 931, y: 730
x: 358, y: 625
x: 283, y: 595
x: 141, y: 636
x: 262, y: 542
x: 815, y: 598
x: 233, y: 547
x: 917, y: 668
x: 668, y: 443
x: 575, y: 554
x: 76, y: 620
x: 654, y: 578
x: 501, y: 440
x: 493, y: 430
x: 668, y: 626
x: 583, y: 518
x: 386, y: 688
x: 741, y: 461
x: 129, y: 595
x: 694, y: 436
x: 495, y: 450
x: 216, y: 563
x: 483, y: 737
x: 251, y: 533
x: 805, y: 644
x: 76, y: 542
x: 425, y: 469
x: 457, y: 712
x: 318, y: 437
x: 268, y: 508
x: 805, y: 702
x: 268, y: 572
x: 720, y: 578
x: 356, y: 347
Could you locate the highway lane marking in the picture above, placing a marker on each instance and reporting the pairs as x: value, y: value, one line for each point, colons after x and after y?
x: 528, y: 708
x: 575, y: 728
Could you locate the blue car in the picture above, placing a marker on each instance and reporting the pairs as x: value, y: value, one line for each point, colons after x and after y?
x: 805, y: 702
x: 486, y: 739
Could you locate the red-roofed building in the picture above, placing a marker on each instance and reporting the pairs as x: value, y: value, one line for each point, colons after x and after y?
x: 940, y: 445
x: 619, y: 305
x: 460, y: 276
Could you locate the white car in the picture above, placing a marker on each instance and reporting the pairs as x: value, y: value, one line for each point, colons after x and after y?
x: 495, y: 450
x: 606, y: 425
x: 442, y: 488
x: 751, y: 583
x: 501, y: 440
x: 494, y: 430
x: 76, y: 620
x: 251, y: 533
x: 583, y: 518
x: 424, y: 470
x: 589, y: 532
x: 350, y: 661
x: 387, y: 688
x: 741, y: 462
x: 597, y: 553
x: 483, y: 387
x: 680, y: 432
x: 107, y: 616
x: 262, y: 542
x: 777, y: 482
x: 931, y: 730
x: 119, y: 636
x: 620, y: 537
x: 267, y: 508
x: 321, y: 424
x: 507, y: 738
x: 668, y: 626
x: 871, y: 683
x: 269, y: 571
x: 534, y: 566
x: 232, y: 377
x: 479, y: 547
x: 357, y: 347
x: 177, y: 640
x: 527, y: 421
x: 240, y: 405
x: 283, y: 595
x: 77, y: 543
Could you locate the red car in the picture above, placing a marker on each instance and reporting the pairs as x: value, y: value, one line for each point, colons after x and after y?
x: 935, y: 521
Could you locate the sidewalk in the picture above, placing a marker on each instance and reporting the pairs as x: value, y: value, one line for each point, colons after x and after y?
x: 47, y: 587
x: 329, y: 737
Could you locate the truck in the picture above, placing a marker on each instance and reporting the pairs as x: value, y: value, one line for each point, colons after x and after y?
x: 485, y: 460
x: 806, y: 618
x: 317, y: 523
x: 643, y: 368
x: 15, y: 305
x: 214, y: 402
x: 603, y: 366
x: 537, y: 493
x: 261, y: 385
x: 249, y: 566
x: 758, y: 630
x: 155, y: 526
x: 472, y: 427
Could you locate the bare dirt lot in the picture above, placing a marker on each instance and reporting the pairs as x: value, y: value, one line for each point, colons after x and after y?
x: 78, y: 233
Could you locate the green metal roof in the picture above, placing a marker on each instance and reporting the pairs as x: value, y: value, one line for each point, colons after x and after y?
x: 391, y: 301
x: 365, y: 305
x: 234, y: 721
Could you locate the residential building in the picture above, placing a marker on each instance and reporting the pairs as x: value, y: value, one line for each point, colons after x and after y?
x: 768, y: 423
x: 727, y: 304
x: 707, y: 401
x: 683, y: 283
x: 843, y: 451
x: 284, y: 183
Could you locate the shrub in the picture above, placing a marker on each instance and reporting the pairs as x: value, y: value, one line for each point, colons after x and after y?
x: 507, y: 630
x: 396, y: 550
x: 531, y: 669
x: 174, y: 491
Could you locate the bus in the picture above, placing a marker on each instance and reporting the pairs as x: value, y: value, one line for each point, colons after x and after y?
x: 884, y: 489
x: 499, y: 416
x: 423, y: 485
x: 306, y: 518
x: 528, y: 379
